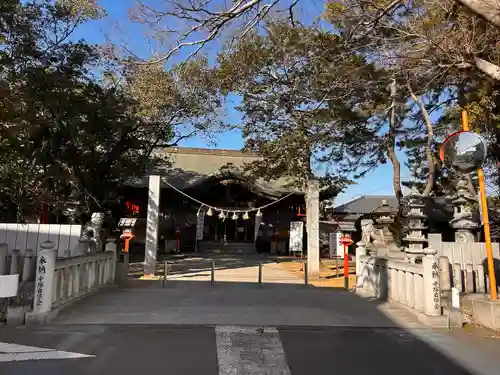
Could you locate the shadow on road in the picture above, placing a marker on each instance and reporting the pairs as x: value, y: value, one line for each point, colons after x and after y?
x: 322, y: 330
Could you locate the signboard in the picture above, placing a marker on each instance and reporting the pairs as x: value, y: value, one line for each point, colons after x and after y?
x: 296, y: 236
x: 338, y: 245
x: 332, y: 244
x: 200, y: 222
x: 455, y: 298
x: 258, y: 219
x: 127, y: 222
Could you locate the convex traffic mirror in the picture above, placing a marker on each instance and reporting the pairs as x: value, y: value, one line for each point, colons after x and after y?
x: 464, y: 151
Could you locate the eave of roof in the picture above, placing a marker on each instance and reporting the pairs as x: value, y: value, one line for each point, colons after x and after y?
x: 189, y: 168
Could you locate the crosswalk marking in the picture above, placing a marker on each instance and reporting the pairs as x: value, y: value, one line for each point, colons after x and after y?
x: 250, y: 350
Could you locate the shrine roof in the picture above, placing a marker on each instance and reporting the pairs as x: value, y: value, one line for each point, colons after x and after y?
x: 366, y: 204
x: 185, y: 167
x: 439, y: 208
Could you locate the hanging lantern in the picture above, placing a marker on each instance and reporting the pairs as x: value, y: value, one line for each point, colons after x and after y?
x: 235, y: 216
x: 259, y: 213
x: 222, y: 215
x: 245, y: 216
x: 209, y: 212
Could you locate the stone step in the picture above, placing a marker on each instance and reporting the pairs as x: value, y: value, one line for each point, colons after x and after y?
x: 230, y: 247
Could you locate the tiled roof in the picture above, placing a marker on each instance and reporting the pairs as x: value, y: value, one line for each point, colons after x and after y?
x: 366, y: 204
x: 189, y: 167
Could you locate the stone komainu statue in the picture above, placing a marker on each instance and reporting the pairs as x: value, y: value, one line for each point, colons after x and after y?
x: 371, y: 236
x: 91, y: 232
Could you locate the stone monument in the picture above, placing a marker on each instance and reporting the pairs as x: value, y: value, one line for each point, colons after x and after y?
x: 416, y: 217
x: 384, y: 218
x: 463, y: 221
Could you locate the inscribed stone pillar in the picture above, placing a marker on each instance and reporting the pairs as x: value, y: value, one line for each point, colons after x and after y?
x: 46, y: 260
x: 312, y: 212
x: 153, y: 219
x: 432, y: 294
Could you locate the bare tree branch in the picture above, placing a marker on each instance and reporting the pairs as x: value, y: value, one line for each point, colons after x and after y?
x: 431, y: 176
x: 205, y: 21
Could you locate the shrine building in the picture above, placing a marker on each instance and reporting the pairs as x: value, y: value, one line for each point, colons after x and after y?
x: 215, y: 178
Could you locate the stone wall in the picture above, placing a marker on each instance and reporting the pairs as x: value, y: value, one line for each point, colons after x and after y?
x: 28, y: 236
x: 413, y: 285
x: 462, y: 252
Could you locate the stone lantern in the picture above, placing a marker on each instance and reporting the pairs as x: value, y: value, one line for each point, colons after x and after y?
x: 384, y: 217
x: 463, y: 221
x: 416, y: 217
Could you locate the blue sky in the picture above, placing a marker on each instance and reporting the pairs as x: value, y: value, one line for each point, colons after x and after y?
x: 121, y: 30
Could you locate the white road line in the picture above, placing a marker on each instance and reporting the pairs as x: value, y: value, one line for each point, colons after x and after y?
x: 248, y: 350
x: 15, y: 348
x: 13, y: 353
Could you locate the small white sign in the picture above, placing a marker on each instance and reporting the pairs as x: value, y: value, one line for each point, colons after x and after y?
x: 296, y: 236
x: 9, y: 285
x: 15, y: 353
x: 340, y: 247
x: 200, y: 223
x: 455, y: 298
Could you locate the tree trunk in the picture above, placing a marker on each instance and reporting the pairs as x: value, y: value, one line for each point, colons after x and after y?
x: 431, y: 176
x: 488, y: 9
x: 488, y: 68
x: 391, y: 150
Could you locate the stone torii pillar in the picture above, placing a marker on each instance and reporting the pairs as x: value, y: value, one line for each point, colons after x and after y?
x: 312, y: 224
x: 153, y: 220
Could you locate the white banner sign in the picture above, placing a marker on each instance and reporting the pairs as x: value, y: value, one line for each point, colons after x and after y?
x: 296, y: 236
x: 200, y: 222
x: 340, y: 247
x: 258, y: 219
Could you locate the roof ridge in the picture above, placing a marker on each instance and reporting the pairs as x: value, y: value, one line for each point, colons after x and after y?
x: 209, y: 151
x: 352, y: 200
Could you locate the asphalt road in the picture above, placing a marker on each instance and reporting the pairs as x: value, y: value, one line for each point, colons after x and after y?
x: 224, y: 350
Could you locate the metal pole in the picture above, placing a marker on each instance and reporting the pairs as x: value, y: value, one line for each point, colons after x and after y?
x: 346, y: 268
x: 212, y: 274
x: 487, y: 236
x: 486, y: 221
x: 260, y: 274
x: 306, y: 281
x: 165, y: 273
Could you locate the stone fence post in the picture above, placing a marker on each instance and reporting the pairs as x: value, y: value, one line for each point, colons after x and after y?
x: 14, y: 262
x: 4, y: 252
x: 44, y: 279
x: 444, y: 274
x: 360, y: 251
x: 112, y: 246
x: 28, y: 265
x: 432, y: 294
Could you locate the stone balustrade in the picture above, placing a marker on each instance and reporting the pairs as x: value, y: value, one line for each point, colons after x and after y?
x: 59, y: 282
x: 413, y: 285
